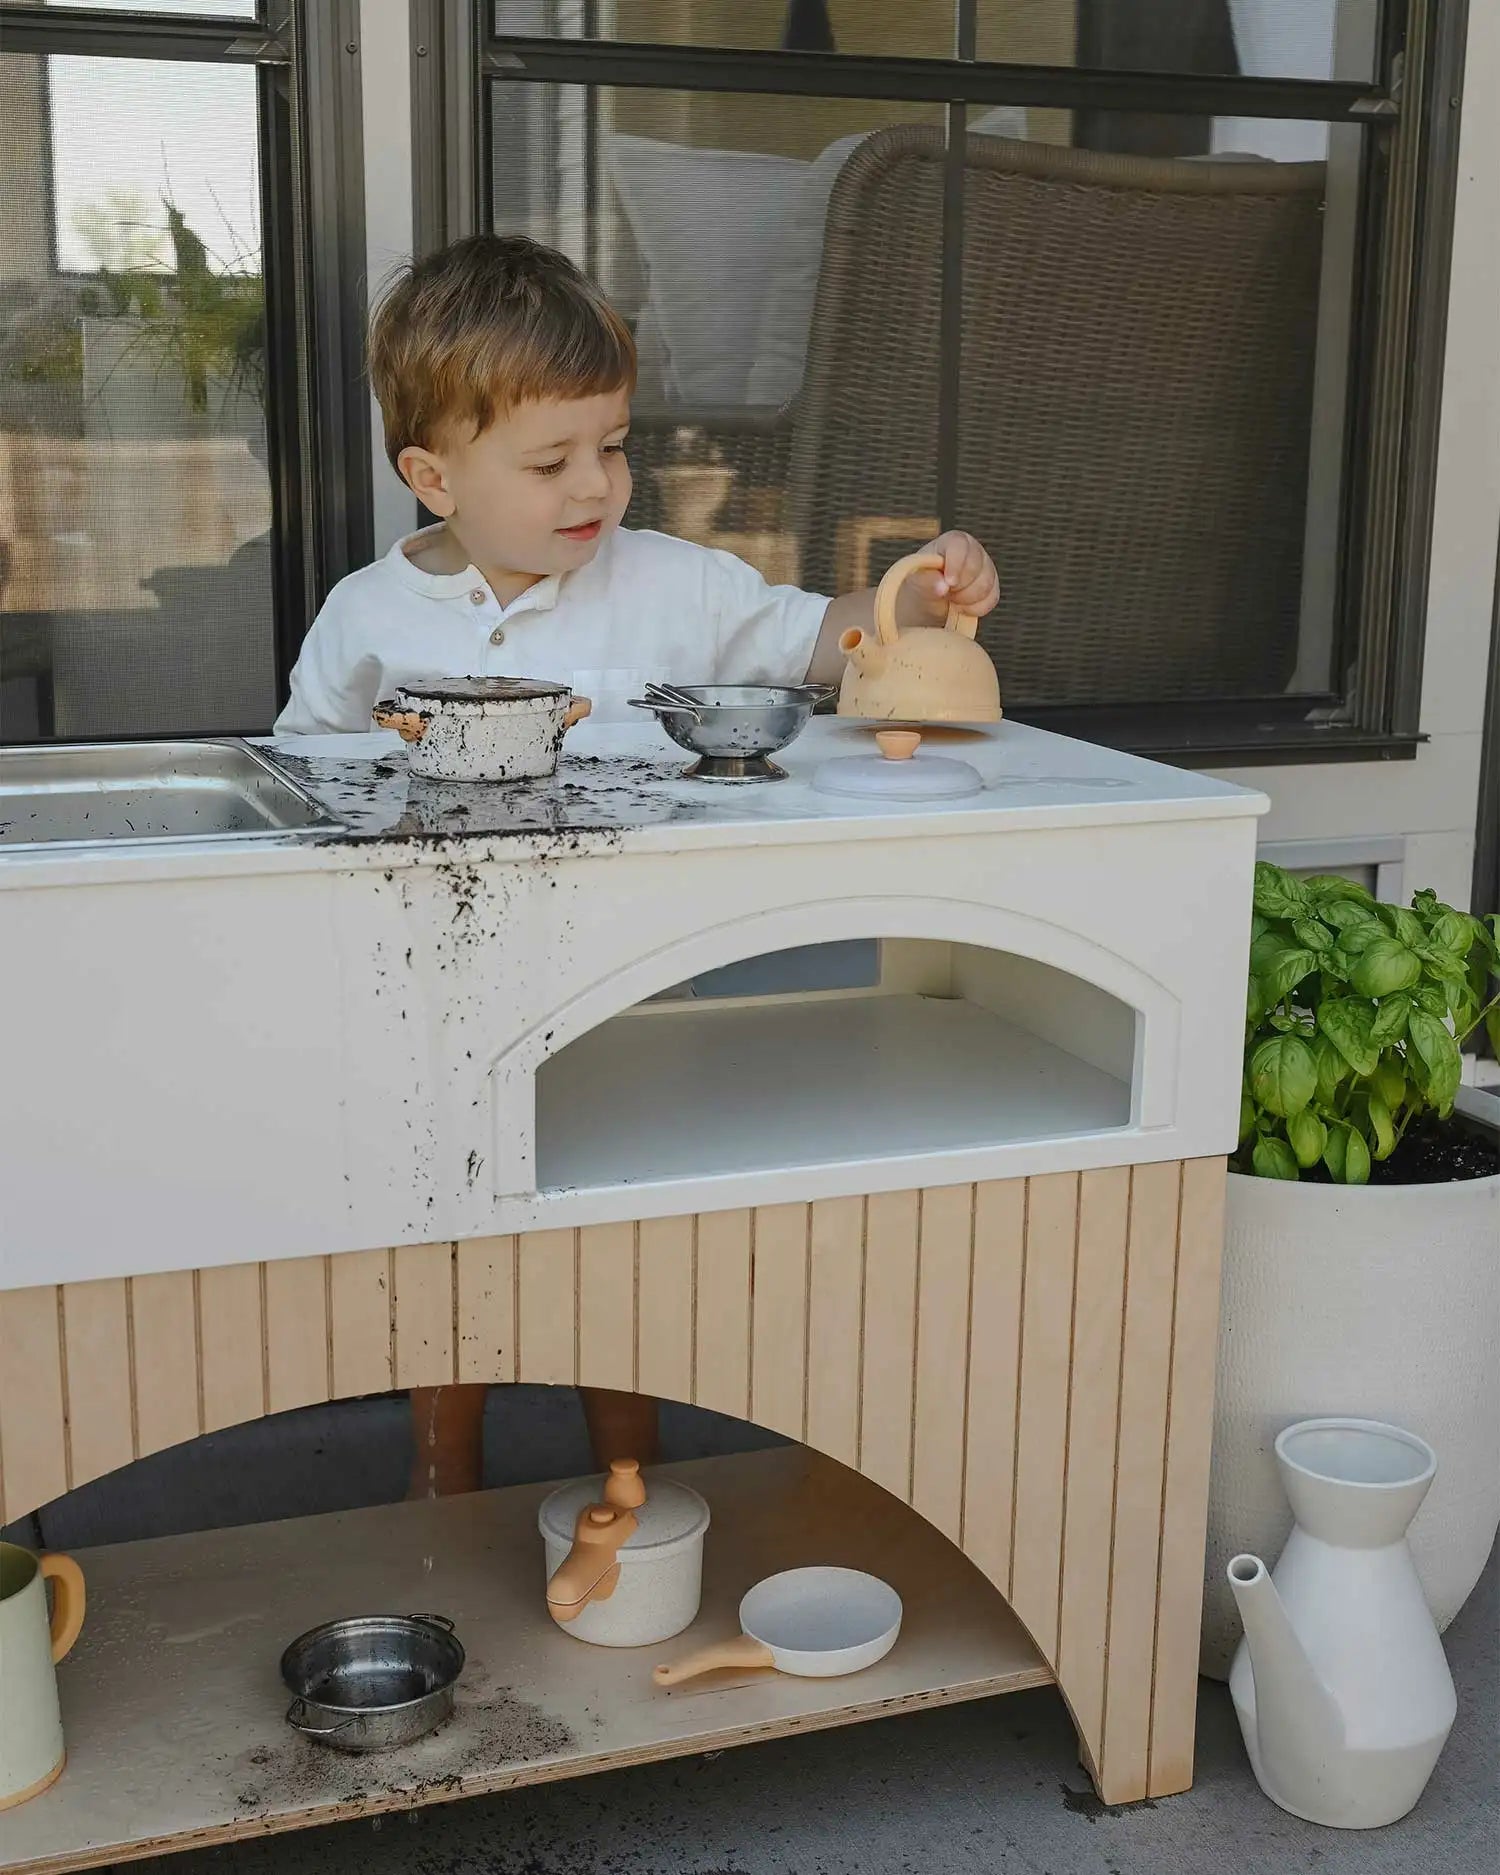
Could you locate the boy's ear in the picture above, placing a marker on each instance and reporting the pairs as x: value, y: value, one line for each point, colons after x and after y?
x: 424, y: 475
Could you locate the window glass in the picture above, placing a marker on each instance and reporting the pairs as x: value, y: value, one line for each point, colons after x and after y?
x: 135, y: 511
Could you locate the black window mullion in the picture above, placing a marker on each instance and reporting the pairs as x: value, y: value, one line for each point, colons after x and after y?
x: 951, y: 316
x: 86, y: 33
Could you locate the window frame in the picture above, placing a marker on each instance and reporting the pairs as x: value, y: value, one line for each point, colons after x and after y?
x: 312, y: 240
x: 1410, y: 112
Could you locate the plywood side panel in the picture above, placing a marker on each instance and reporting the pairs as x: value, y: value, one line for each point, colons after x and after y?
x: 664, y: 1314
x: 606, y: 1306
x: 778, y: 1359
x: 942, y: 1367
x: 890, y: 1340
x: 1041, y: 1438
x: 296, y: 1315
x: 486, y: 1277
x: 33, y: 1406
x: 1185, y: 1505
x: 722, y: 1330
x: 1098, y: 1307
x: 359, y: 1322
x: 96, y: 1339
x: 835, y: 1300
x: 423, y: 1275
x: 232, y: 1339
x: 546, y: 1321
x: 1151, y: 1258
x: 994, y: 1373
x: 165, y: 1368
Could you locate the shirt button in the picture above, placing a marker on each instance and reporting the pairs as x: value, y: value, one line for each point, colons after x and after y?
x: 497, y: 636
x: 478, y: 596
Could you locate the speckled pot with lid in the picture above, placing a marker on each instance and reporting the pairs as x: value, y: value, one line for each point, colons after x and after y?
x: 624, y: 1559
x: 482, y: 728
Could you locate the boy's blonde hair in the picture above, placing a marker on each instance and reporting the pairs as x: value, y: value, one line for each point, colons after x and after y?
x: 490, y: 323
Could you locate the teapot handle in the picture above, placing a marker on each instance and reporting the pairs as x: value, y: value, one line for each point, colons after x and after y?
x: 885, y: 598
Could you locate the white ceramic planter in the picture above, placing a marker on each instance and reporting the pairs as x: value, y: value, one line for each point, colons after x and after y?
x: 1380, y: 1302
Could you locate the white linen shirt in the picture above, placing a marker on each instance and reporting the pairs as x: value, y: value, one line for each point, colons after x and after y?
x: 646, y: 604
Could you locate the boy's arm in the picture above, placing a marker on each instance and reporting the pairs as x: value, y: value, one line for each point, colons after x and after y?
x: 968, y: 580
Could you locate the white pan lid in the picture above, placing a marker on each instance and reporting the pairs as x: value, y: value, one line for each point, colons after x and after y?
x: 672, y: 1517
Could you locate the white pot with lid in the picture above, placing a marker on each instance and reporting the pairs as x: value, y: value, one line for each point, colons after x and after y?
x: 482, y: 728
x: 624, y: 1561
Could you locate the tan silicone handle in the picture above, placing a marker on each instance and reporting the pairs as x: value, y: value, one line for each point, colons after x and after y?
x: 742, y: 1651
x: 69, y: 1600
x: 591, y: 1569
x: 576, y: 711
x: 407, y: 723
x: 895, y: 579
x: 625, y: 1488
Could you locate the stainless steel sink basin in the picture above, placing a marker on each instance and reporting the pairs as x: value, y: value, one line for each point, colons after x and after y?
x: 84, y: 794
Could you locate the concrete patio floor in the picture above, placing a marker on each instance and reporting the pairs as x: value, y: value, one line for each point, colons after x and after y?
x: 985, y: 1789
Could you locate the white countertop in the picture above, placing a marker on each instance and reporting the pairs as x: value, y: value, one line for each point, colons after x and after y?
x: 620, y: 788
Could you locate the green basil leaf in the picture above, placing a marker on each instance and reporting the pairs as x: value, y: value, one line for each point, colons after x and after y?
x: 1438, y: 1053
x: 1247, y: 1117
x: 1333, y: 887
x: 1347, y: 1025
x: 1335, y: 1151
x: 1385, y: 967
x: 1381, y: 1127
x: 1406, y: 925
x: 1307, y: 1136
x: 1283, y: 1077
x: 1283, y: 976
x: 1429, y: 997
x: 1332, y: 1069
x: 1344, y: 913
x: 1388, y: 1083
x: 1277, y: 893
x: 1356, y: 1160
x: 1312, y: 935
x: 1492, y: 1029
x: 1356, y: 939
x: 1390, y: 1019
x: 1265, y: 949
x: 1454, y: 932
x: 1274, y: 1158
x: 1442, y: 964
x: 1255, y: 1003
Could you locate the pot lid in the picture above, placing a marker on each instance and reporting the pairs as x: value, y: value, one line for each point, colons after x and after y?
x: 672, y: 1516
x: 482, y: 690
x: 921, y: 778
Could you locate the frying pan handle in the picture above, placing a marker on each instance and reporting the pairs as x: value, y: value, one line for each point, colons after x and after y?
x: 312, y: 1731
x: 885, y: 598
x: 741, y: 1652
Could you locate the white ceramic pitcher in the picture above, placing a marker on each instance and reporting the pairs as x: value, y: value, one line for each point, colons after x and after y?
x: 1341, y: 1685
x: 31, y: 1643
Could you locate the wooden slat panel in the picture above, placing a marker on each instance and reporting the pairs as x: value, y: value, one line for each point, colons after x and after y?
x: 947, y: 1226
x: 834, y: 1301
x: 233, y: 1345
x: 1103, y: 1218
x: 166, y: 1360
x: 722, y: 1378
x: 890, y: 1332
x: 1041, y: 1442
x: 664, y: 1312
x: 487, y: 1309
x: 778, y: 1347
x: 424, y: 1315
x: 296, y: 1332
x: 1151, y: 1259
x: 97, y: 1341
x: 359, y: 1297
x: 1185, y: 1509
x: 994, y: 1372
x: 606, y: 1306
x: 33, y: 1456
x: 545, y: 1330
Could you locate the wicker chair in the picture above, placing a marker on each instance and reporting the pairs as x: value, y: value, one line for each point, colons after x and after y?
x: 1138, y: 340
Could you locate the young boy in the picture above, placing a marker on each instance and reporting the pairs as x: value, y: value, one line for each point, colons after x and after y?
x: 504, y: 378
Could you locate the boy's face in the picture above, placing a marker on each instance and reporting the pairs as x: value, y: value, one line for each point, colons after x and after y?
x: 538, y: 490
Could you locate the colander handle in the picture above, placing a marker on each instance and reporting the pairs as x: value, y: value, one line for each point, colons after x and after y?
x: 885, y: 598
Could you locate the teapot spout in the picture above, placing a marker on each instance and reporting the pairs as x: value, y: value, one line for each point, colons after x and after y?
x: 1299, y: 1729
x: 867, y: 654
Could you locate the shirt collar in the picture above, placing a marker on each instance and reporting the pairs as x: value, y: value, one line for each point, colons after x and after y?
x: 541, y: 597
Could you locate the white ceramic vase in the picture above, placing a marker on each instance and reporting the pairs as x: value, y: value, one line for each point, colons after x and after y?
x: 1382, y: 1301
x: 1340, y: 1685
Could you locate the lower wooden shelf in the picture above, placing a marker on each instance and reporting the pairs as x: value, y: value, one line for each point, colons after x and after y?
x: 172, y: 1700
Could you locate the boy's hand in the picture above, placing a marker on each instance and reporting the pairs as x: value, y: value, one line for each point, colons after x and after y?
x: 968, y: 580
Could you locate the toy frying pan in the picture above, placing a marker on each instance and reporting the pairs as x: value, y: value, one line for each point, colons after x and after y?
x: 816, y: 1623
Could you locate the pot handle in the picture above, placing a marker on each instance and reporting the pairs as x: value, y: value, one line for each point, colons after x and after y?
x: 743, y: 1651
x: 590, y: 1571
x: 576, y: 711
x: 312, y: 1731
x: 69, y: 1600
x: 895, y: 579
x: 410, y: 725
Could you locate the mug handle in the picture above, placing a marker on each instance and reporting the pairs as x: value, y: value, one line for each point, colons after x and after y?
x: 69, y: 1600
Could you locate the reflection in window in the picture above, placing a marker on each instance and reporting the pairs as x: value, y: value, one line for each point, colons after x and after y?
x: 135, y: 514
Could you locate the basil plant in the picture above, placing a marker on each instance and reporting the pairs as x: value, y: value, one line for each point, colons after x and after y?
x: 1355, y: 1018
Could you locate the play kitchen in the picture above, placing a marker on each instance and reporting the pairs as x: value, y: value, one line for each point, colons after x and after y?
x: 871, y: 1188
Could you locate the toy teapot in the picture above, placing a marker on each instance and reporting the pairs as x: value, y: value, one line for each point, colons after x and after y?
x: 917, y: 676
